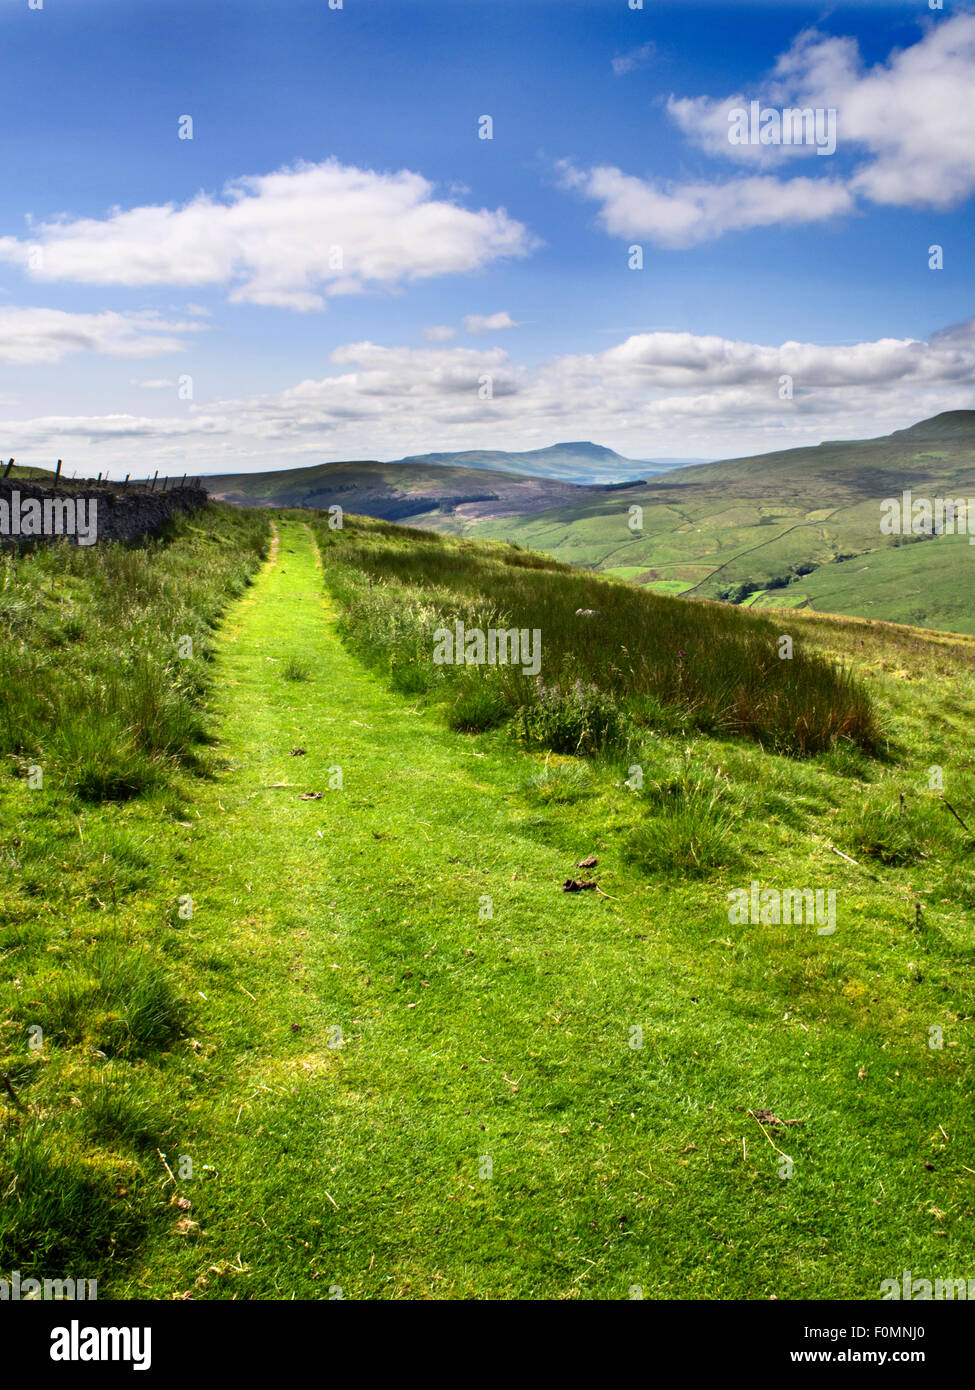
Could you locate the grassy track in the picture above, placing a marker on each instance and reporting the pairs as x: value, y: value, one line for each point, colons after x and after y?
x: 361, y: 1167
x: 360, y: 912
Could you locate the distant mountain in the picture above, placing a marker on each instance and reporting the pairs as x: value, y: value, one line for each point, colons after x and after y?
x: 443, y: 489
x: 578, y: 462
x: 419, y: 492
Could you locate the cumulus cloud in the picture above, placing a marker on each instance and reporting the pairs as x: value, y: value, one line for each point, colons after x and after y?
x: 683, y: 359
x: 906, y: 127
x: 684, y: 214
x: 389, y: 388
x: 32, y: 337
x: 909, y: 121
x: 438, y: 332
x: 289, y: 239
x: 488, y: 323
x: 651, y: 394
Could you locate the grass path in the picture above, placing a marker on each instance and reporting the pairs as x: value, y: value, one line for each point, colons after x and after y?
x: 395, y: 1095
x: 356, y: 912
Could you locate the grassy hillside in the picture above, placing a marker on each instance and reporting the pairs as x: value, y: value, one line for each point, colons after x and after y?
x: 721, y: 530
x: 105, y: 662
x: 530, y: 480
x: 434, y: 494
x: 319, y: 1020
x: 926, y: 584
x: 614, y: 660
x: 103, y: 652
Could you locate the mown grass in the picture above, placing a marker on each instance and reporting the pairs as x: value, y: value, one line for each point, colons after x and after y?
x: 354, y: 1160
x: 641, y: 660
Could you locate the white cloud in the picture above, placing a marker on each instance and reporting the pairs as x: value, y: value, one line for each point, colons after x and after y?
x: 288, y: 238
x: 678, y: 215
x: 651, y: 395
x: 32, y: 336
x: 683, y: 359
x: 910, y: 121
x: 489, y: 323
x: 633, y: 59
x: 438, y: 332
x: 909, y: 125
x: 155, y: 383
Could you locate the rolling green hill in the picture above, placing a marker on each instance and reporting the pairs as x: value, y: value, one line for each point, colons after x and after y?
x: 923, y: 585
x: 448, y: 490
x: 439, y: 495
x: 784, y: 528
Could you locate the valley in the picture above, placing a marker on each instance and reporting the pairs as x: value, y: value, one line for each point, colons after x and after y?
x: 796, y: 528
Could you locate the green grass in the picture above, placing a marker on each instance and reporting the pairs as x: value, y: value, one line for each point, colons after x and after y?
x: 690, y: 831
x: 603, y: 680
x: 378, y: 990
x: 106, y: 658
x: 295, y: 669
x: 925, y: 584
x: 103, y: 653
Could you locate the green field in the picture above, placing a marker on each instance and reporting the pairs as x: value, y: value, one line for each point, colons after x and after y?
x: 362, y: 1043
x: 924, y: 585
x: 814, y: 509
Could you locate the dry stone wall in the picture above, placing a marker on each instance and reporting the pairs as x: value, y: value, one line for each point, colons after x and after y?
x: 110, y: 513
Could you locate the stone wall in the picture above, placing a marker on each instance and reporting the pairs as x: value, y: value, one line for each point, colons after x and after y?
x: 122, y: 514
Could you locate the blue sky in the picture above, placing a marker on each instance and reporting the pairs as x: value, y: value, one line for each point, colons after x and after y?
x: 156, y: 311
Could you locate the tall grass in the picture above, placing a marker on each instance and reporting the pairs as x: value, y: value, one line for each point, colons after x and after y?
x: 105, y: 672
x: 643, y: 657
x: 98, y: 687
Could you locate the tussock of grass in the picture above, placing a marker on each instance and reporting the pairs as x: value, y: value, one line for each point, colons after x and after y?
x: 688, y: 827
x: 120, y: 1107
x: 891, y: 832
x: 294, y: 669
x: 66, y: 1208
x: 118, y: 1001
x: 559, y: 783
x: 477, y: 704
